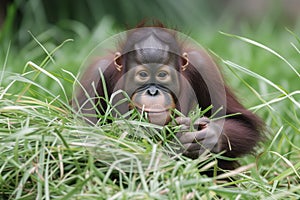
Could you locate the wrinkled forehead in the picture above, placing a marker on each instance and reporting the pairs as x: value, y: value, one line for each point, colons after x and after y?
x: 152, y: 42
x: 152, y: 45
x: 152, y: 50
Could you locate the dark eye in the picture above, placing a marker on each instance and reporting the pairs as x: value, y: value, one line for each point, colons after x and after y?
x: 162, y: 74
x: 143, y: 74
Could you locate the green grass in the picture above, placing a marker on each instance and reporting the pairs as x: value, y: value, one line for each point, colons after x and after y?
x: 47, y: 153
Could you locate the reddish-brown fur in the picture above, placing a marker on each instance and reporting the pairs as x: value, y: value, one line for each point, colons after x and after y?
x: 241, y: 132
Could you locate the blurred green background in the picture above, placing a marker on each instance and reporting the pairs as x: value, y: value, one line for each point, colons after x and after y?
x: 92, y: 21
x: 188, y: 16
x: 87, y: 23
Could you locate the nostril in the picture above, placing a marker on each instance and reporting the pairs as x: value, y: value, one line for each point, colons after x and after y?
x: 152, y: 91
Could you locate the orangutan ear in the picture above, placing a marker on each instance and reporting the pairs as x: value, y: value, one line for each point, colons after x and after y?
x: 185, y: 61
x: 118, y: 61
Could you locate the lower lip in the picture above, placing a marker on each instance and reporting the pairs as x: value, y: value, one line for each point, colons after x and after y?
x: 152, y: 111
x: 161, y: 117
x: 156, y: 108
